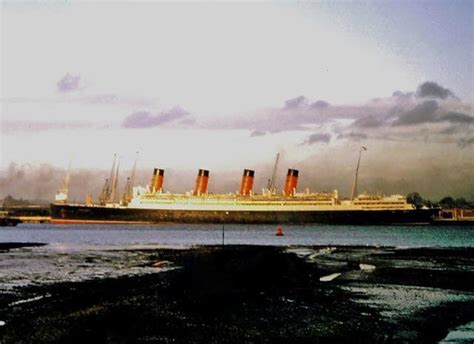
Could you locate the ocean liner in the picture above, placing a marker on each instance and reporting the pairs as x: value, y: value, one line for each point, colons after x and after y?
x: 151, y: 204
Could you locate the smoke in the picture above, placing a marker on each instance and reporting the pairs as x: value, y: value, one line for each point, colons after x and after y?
x: 68, y: 83
x: 41, y: 182
x: 391, y: 169
x: 388, y: 169
x: 431, y: 89
x: 145, y: 119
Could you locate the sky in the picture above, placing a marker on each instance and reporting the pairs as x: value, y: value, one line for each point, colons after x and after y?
x: 225, y: 86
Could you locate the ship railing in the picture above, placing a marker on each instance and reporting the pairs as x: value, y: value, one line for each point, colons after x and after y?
x: 232, y: 198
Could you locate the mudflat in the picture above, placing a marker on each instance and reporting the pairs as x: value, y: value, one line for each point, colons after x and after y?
x: 248, y: 294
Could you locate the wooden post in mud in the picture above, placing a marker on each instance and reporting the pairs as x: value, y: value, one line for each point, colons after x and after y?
x: 223, y: 229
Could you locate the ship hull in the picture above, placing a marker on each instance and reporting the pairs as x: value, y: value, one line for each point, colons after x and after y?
x: 81, y: 214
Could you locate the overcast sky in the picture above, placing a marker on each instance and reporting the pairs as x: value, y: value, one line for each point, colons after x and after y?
x: 225, y: 86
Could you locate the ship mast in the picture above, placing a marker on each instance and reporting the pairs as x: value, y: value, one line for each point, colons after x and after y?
x: 272, y: 182
x: 354, y: 186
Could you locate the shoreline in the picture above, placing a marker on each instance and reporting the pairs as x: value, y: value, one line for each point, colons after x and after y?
x: 254, y: 294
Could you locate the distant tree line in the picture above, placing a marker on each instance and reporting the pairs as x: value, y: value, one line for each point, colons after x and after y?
x: 10, y: 201
x: 446, y: 202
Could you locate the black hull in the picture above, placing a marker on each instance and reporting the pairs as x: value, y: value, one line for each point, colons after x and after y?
x: 8, y: 222
x: 63, y: 213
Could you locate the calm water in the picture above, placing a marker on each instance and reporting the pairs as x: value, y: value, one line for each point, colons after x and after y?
x: 179, y: 234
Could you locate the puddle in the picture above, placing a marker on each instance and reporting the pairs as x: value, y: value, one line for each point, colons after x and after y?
x: 460, y: 335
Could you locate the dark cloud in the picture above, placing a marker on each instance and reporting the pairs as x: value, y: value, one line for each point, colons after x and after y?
x: 68, y: 83
x: 315, y: 138
x: 431, y: 89
x: 320, y: 104
x: 422, y: 113
x: 400, y: 94
x: 463, y: 143
x: 367, y: 122
x: 256, y: 133
x: 41, y: 182
x: 295, y: 103
x: 145, y: 119
x: 456, y: 117
x: 352, y: 136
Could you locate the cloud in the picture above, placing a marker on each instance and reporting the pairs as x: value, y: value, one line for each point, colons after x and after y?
x: 316, y: 138
x: 426, y: 112
x: 68, y: 83
x: 320, y: 104
x: 256, y: 133
x: 422, y: 113
x: 463, y: 143
x: 353, y: 136
x: 400, y: 94
x: 431, y: 89
x: 301, y: 114
x: 146, y: 119
x: 295, y: 103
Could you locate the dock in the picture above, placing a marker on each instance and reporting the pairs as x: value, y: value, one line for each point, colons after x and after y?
x: 11, y: 216
x: 455, y: 216
x: 31, y: 219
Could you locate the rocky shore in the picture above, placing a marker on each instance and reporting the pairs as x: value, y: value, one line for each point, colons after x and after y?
x: 249, y: 294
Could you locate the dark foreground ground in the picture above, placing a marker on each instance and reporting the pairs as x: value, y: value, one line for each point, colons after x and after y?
x: 252, y: 294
